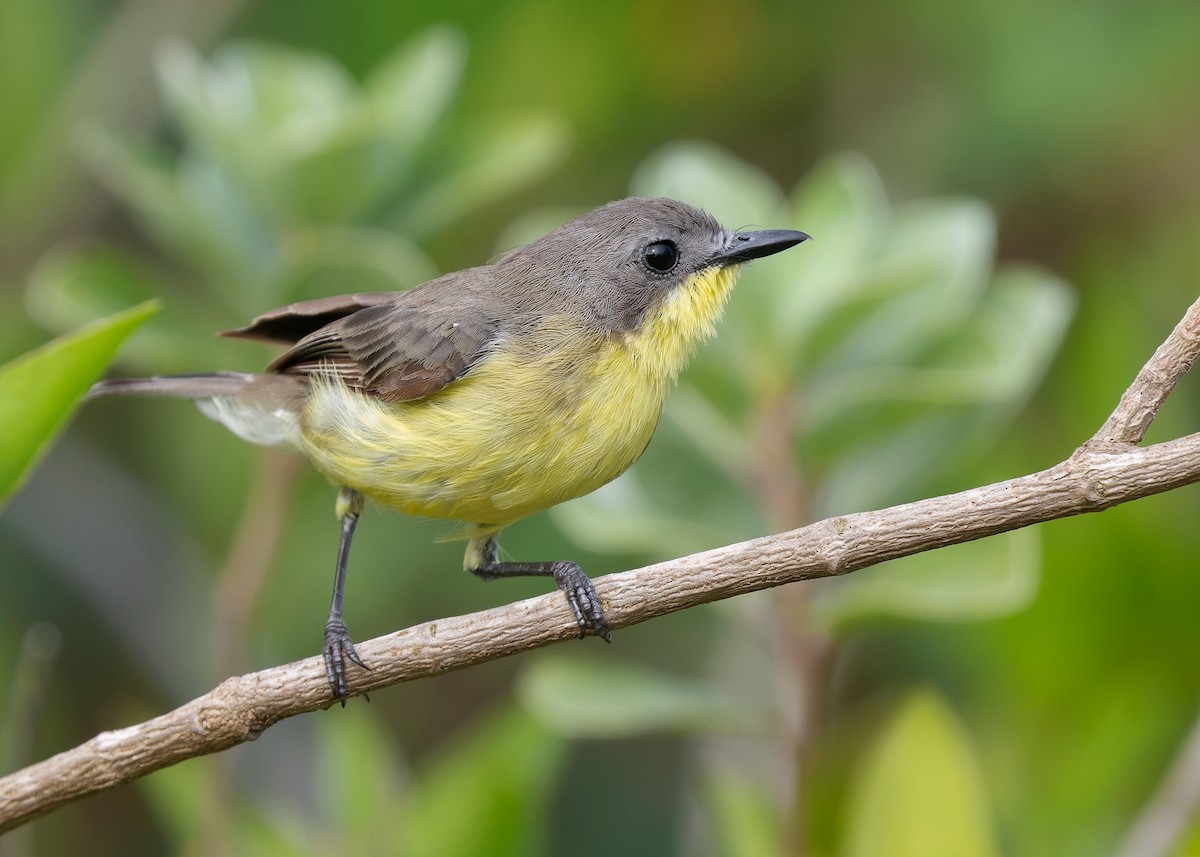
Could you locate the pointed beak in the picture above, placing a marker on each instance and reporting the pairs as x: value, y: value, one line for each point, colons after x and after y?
x: 744, y: 246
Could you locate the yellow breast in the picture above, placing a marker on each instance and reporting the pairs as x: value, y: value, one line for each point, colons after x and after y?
x: 534, y: 423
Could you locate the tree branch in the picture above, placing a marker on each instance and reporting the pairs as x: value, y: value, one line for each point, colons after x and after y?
x: 1107, y: 470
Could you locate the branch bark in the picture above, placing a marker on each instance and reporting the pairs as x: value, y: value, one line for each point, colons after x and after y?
x: 1107, y: 470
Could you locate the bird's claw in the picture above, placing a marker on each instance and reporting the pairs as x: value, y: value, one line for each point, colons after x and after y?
x: 581, y: 595
x: 338, y: 649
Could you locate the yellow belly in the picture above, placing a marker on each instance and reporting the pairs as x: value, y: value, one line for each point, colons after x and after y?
x: 515, y: 436
x: 528, y: 427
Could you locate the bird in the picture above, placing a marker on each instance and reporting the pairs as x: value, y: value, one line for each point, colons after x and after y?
x: 491, y: 393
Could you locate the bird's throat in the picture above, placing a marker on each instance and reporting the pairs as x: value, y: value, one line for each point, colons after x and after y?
x: 668, y: 335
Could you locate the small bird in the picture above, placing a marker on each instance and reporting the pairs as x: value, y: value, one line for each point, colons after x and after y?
x: 491, y: 393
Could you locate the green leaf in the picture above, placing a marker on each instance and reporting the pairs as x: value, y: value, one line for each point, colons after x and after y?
x: 142, y: 176
x: 412, y: 89
x: 178, y: 795
x: 580, y: 697
x: 362, y: 782
x: 39, y: 390
x: 254, y: 105
x: 489, y: 795
x: 500, y: 157
x: 622, y: 517
x: 843, y: 206
x: 744, y: 817
x: 71, y: 286
x: 1023, y: 317
x: 979, y: 580
x: 707, y: 176
x: 919, y: 791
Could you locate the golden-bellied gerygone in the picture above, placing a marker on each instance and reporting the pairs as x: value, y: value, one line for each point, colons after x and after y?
x: 491, y: 393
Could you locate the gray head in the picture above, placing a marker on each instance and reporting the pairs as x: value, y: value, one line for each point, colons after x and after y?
x: 613, y: 264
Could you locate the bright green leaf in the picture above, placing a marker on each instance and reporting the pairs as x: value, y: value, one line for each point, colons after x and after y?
x: 39, y: 390
x: 919, y: 791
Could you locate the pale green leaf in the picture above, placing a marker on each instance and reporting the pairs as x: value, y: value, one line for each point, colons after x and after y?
x: 841, y: 203
x: 710, y: 178
x: 591, y: 698
x: 744, y: 816
x: 978, y: 580
x: 502, y: 156
x: 411, y: 90
x: 362, y: 781
x: 621, y: 517
x: 919, y: 790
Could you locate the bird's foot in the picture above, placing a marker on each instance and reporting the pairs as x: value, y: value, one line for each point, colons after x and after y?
x: 338, y: 649
x: 581, y: 595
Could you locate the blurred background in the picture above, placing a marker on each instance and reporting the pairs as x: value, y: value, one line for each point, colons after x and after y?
x: 1005, y: 199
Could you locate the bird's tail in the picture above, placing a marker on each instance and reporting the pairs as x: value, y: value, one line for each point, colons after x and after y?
x: 183, y: 386
x: 262, y: 409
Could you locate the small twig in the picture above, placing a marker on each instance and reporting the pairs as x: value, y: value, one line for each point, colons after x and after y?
x: 1140, y: 403
x: 1097, y: 476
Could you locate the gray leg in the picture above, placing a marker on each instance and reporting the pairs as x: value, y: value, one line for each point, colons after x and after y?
x: 338, y: 646
x: 482, y: 560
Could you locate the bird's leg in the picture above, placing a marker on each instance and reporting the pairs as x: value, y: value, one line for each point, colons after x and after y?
x: 482, y: 560
x: 338, y: 646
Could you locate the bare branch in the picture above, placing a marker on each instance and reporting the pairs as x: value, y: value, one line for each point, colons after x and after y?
x: 1106, y: 471
x: 1140, y: 403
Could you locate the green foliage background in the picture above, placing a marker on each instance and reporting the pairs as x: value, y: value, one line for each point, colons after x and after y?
x: 1005, y: 199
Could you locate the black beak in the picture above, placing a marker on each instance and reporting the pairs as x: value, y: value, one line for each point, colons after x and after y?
x: 744, y: 246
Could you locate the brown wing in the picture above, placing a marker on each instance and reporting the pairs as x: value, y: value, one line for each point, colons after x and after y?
x: 395, y: 351
x: 289, y: 324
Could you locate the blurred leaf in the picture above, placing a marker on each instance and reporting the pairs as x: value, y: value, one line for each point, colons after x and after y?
x: 841, y: 203
x: 268, y: 832
x: 1024, y: 317
x: 588, y: 698
x: 709, y: 177
x: 918, y: 791
x: 68, y: 287
x: 321, y: 261
x: 500, y: 157
x: 412, y: 89
x: 39, y: 390
x: 939, y: 254
x: 744, y: 817
x: 490, y: 794
x: 142, y: 176
x: 254, y: 105
x: 979, y: 580
x: 178, y: 795
x: 235, y: 246
x: 621, y: 517
x: 362, y: 783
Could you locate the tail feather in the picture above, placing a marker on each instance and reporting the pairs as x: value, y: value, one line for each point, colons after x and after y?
x: 263, y: 409
x: 184, y: 386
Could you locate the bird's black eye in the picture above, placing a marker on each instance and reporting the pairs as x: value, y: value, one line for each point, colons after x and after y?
x: 661, y: 256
